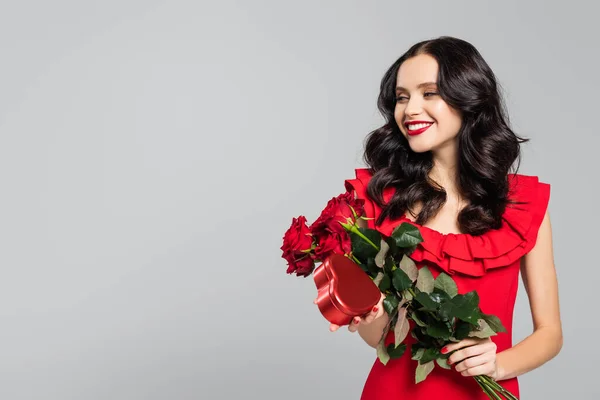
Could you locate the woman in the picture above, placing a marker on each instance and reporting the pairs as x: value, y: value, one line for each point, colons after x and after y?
x: 442, y: 163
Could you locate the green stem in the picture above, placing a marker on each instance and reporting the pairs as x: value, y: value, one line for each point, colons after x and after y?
x: 484, y: 388
x: 354, y: 229
x: 356, y: 260
x: 499, y: 388
x: 412, y: 292
x: 488, y: 390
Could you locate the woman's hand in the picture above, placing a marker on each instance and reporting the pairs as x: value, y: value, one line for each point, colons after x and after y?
x: 375, y: 313
x: 474, y: 356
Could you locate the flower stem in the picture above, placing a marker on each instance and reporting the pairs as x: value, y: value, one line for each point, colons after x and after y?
x: 486, y: 388
x: 492, y: 383
x: 412, y: 292
x: 354, y: 229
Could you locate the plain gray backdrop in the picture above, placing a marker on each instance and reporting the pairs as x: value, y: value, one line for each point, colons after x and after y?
x: 153, y: 153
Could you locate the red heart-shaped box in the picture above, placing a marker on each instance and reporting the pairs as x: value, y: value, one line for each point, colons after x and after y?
x: 344, y: 290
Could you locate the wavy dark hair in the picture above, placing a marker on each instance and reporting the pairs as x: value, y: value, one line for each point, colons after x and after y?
x: 487, y: 146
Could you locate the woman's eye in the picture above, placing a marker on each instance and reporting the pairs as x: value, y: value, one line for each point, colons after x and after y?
x: 401, y: 98
x: 430, y: 94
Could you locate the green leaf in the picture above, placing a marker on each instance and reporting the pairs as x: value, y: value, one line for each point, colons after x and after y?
x: 406, y: 294
x: 442, y: 362
x: 439, y: 296
x: 494, y: 323
x: 439, y: 329
x: 388, y: 266
x: 415, y: 317
x: 423, y: 370
x: 396, y: 351
x: 390, y: 304
x: 417, y: 352
x: 382, y: 281
x: 407, y: 235
x: 445, y: 283
x: 383, y: 251
x: 360, y: 248
x: 430, y: 354
x: 402, y: 327
x: 378, y: 278
x: 391, y: 244
x: 372, y: 267
x: 420, y: 334
x: 483, y: 331
x: 365, y: 268
x: 400, y: 280
x: 464, y: 307
x: 462, y: 330
x: 425, y: 300
x: 385, y: 283
x: 409, y: 250
x: 382, y: 353
x: 425, y: 280
x: 409, y: 267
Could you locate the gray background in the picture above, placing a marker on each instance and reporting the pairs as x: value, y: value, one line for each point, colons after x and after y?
x: 153, y: 153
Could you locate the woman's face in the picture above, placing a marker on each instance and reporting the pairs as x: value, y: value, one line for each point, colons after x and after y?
x: 424, y: 118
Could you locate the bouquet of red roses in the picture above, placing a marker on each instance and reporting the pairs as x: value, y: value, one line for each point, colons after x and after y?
x: 329, y: 234
x: 439, y: 313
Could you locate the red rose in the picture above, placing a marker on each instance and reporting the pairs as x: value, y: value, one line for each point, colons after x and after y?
x: 329, y: 243
x: 339, y: 209
x: 297, y: 243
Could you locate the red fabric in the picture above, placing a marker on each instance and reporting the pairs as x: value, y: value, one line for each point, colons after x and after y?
x: 488, y: 263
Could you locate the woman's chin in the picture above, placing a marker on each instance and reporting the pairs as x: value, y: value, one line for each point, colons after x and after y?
x: 420, y: 148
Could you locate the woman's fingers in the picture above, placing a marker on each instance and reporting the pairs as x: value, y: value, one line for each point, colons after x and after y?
x: 481, y: 346
x: 353, y: 326
x: 475, y: 362
x: 462, y: 344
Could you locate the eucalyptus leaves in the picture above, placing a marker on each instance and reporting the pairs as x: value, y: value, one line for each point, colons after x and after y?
x: 440, y: 314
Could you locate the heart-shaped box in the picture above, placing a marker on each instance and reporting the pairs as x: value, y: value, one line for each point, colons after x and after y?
x: 344, y: 290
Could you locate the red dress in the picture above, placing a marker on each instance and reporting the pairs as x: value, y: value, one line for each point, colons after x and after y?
x: 488, y: 263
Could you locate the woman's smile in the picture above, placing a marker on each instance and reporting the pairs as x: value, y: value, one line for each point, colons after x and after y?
x: 417, y: 127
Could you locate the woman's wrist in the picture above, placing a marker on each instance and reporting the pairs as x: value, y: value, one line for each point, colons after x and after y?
x: 500, y: 372
x: 371, y: 333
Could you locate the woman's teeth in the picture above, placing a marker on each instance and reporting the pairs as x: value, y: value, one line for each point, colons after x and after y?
x: 414, y: 127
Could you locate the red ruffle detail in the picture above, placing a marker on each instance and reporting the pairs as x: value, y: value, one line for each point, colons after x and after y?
x: 359, y: 186
x: 465, y: 253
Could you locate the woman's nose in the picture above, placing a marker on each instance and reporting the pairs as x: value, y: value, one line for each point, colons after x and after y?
x: 413, y: 107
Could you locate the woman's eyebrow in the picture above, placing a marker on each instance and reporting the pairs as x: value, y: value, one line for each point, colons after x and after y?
x: 419, y: 86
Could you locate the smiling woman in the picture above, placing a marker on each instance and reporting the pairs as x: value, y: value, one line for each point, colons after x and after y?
x: 420, y: 108
x: 443, y: 161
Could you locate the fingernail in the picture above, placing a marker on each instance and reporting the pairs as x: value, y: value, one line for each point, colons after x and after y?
x: 375, y: 309
x: 356, y: 320
x: 444, y: 350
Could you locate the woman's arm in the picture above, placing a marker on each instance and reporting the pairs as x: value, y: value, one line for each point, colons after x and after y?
x: 539, y: 277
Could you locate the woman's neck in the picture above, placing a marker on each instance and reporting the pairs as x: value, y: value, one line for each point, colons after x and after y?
x: 445, y: 174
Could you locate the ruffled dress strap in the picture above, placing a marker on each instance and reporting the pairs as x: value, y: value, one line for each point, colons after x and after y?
x: 358, y: 186
x: 468, y: 254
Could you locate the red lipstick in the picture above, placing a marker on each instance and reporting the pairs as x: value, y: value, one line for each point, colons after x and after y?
x: 418, y: 131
